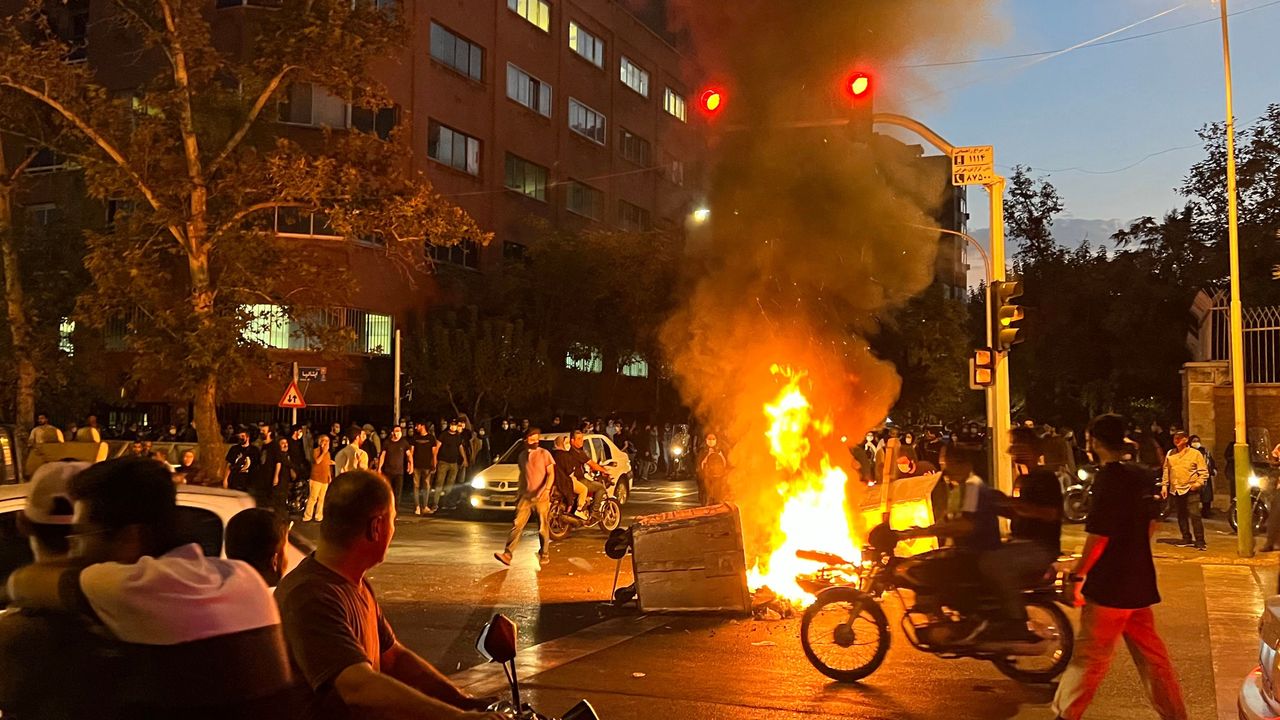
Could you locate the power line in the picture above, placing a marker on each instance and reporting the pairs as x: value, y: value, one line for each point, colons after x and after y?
x: 1042, y: 53
x: 1130, y: 166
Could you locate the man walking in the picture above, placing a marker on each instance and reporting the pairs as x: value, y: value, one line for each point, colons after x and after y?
x: 452, y: 459
x: 537, y: 474
x: 395, y: 459
x: 1184, y: 474
x: 1116, y: 584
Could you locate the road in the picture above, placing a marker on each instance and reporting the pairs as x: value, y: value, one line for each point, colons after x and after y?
x: 440, y: 584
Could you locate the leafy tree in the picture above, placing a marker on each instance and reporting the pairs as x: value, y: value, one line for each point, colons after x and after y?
x: 928, y: 344
x: 1029, y: 209
x: 193, y: 150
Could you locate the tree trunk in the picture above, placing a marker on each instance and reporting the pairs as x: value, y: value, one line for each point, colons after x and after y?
x: 19, y: 325
x: 205, y: 410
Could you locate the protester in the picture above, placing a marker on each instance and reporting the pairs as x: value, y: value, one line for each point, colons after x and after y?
x: 318, y: 485
x: 340, y: 644
x: 537, y: 475
x: 1183, y: 476
x: 183, y: 621
x: 1211, y: 472
x: 243, y: 460
x: 396, y: 459
x: 423, y: 446
x: 451, y: 460
x: 583, y: 483
x: 713, y: 473
x: 187, y: 471
x: 257, y: 536
x: 43, y: 432
x: 1117, y: 584
x: 351, y: 457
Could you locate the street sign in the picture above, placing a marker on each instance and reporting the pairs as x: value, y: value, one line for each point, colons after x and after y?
x: 973, y: 165
x: 313, y: 374
x: 292, y: 397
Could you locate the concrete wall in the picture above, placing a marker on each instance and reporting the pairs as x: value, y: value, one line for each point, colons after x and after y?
x: 1208, y: 409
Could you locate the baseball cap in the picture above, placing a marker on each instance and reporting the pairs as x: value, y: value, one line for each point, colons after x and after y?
x: 49, y: 501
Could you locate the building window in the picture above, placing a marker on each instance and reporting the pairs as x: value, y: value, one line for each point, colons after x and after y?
x: 455, y: 149
x: 634, y: 77
x: 585, y: 200
x: 117, y: 209
x: 374, y: 335
x: 296, y: 222
x: 70, y: 24
x: 66, y: 328
x: 587, y: 45
x: 465, y: 254
x: 43, y: 214
x: 528, y: 90
x: 311, y: 105
x: 673, y: 103
x: 536, y: 12
x: 635, y: 366
x: 514, y: 252
x: 634, y: 148
x: 526, y: 178
x: 586, y: 122
x: 675, y: 171
x: 271, y: 327
x: 378, y: 122
x: 633, y: 218
x: 584, y: 359
x: 457, y: 52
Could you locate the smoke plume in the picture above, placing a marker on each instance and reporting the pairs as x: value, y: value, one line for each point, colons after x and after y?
x: 814, y: 231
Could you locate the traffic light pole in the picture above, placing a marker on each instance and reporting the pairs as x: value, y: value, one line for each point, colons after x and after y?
x: 998, y: 396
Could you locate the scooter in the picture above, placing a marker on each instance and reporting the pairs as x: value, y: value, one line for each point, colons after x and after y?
x: 1077, y: 498
x: 497, y: 643
x: 1260, y: 511
x: 605, y: 511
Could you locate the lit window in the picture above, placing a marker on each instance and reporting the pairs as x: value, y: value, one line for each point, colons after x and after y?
x: 590, y: 47
x: 635, y: 366
x: 453, y: 148
x: 585, y: 200
x: 526, y: 178
x: 673, y: 103
x: 584, y: 359
x: 634, y: 148
x: 586, y: 122
x: 537, y: 12
x: 528, y: 90
x: 457, y: 52
x: 375, y: 338
x: 312, y: 105
x: 634, y: 77
x: 66, y: 329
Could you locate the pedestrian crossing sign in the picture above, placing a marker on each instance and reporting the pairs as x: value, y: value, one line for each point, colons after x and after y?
x: 292, y: 397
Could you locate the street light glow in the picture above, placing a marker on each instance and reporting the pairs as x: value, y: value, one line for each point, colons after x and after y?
x: 701, y: 215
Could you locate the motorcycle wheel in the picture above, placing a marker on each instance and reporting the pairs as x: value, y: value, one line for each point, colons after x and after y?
x: 1075, y: 506
x: 623, y: 491
x: 610, y: 515
x: 844, y: 634
x: 1043, y: 668
x: 1231, y: 516
x: 1260, y: 517
x: 558, y: 527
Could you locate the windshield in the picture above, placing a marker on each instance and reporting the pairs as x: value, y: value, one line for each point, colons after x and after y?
x: 509, y: 457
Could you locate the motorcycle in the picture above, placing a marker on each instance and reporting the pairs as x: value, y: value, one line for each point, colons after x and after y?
x: 497, y: 643
x: 1260, y: 511
x: 1077, y: 498
x: 680, y: 460
x: 605, y: 511
x: 845, y: 632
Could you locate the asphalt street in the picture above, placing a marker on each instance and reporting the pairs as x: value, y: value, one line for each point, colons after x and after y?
x: 440, y: 584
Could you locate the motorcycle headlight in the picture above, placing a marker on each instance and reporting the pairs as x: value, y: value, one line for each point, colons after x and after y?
x: 478, y: 483
x: 677, y: 451
x: 1082, y: 474
x: 1254, y: 481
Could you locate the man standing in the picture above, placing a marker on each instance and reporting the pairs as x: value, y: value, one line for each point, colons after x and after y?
x: 340, y: 644
x: 452, y: 459
x: 423, y: 446
x: 43, y: 432
x: 395, y: 460
x: 351, y: 456
x: 243, y: 460
x: 1211, y: 472
x: 537, y: 474
x: 1184, y: 474
x: 90, y: 432
x: 1116, y: 584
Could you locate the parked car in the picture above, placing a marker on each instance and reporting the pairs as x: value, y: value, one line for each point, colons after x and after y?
x: 12, y: 452
x: 495, y: 487
x: 203, y: 513
x: 1258, y: 699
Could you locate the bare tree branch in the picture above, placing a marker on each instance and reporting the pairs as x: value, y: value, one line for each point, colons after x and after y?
x: 258, y: 105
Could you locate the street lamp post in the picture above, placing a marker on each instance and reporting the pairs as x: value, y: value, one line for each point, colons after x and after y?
x: 1243, y: 459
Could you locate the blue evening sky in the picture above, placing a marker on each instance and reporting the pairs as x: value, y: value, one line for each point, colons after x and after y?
x: 1105, y: 108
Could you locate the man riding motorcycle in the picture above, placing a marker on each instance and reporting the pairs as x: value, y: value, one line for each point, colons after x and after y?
x: 583, y: 484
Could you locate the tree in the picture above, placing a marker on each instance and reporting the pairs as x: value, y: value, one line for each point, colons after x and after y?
x: 1029, y: 209
x: 928, y: 344
x: 193, y: 157
x: 16, y: 307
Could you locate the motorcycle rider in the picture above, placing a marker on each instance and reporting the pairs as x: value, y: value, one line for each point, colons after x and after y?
x: 583, y: 484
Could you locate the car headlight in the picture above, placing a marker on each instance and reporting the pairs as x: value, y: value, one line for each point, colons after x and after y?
x: 1254, y: 481
x: 1082, y: 474
x: 478, y: 483
x: 475, y: 501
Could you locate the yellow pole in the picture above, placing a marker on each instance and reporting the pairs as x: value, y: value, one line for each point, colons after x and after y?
x: 999, y: 395
x: 1243, y: 461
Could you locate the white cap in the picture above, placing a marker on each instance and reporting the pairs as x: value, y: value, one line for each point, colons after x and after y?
x: 49, y: 499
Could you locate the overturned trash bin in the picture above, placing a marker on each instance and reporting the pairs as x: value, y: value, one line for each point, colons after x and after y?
x: 691, y: 560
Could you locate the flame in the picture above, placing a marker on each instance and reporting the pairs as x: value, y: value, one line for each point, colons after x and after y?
x: 811, y: 492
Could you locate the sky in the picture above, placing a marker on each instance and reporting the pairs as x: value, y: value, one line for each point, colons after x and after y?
x: 1102, y: 108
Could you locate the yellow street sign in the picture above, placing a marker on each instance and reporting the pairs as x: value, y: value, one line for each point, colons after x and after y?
x: 973, y: 176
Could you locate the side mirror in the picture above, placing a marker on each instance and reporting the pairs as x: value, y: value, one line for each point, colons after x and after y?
x: 497, y: 641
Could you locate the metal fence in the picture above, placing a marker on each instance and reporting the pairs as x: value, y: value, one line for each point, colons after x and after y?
x: 1261, y: 339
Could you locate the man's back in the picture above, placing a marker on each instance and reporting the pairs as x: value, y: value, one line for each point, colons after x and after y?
x: 1039, y: 487
x: 40, y: 651
x: 1125, y: 574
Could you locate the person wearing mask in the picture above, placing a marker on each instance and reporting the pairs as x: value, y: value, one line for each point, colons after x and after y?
x: 351, y: 457
x: 1183, y: 475
x: 537, y: 476
x: 713, y: 473
x: 1115, y: 582
x: 179, y: 620
x: 395, y: 460
x: 243, y: 460
x: 274, y: 475
x: 257, y: 536
x: 337, y: 438
x: 1211, y: 475
x: 423, y: 447
x: 372, y: 444
x: 318, y: 485
x: 187, y: 472
x: 344, y: 653
x: 43, y: 432
x: 451, y: 461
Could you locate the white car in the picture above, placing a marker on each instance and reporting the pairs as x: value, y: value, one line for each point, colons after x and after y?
x: 1258, y: 700
x: 203, y: 513
x: 496, y: 487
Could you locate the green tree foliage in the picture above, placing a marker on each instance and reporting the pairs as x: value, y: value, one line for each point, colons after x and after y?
x: 928, y: 344
x: 194, y: 150
x: 477, y: 364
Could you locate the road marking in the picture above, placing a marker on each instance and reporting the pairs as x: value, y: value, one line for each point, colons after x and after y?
x: 488, y: 679
x: 1233, y: 600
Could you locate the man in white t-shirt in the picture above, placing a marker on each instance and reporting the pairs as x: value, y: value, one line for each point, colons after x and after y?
x: 351, y: 457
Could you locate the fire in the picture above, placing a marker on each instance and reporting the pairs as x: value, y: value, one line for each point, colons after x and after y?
x: 811, y: 492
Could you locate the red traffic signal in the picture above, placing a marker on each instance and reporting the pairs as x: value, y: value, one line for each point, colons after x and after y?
x: 711, y: 101
x: 858, y: 85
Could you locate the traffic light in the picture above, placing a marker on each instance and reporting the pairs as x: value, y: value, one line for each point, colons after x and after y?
x: 982, y: 369
x: 1005, y: 314
x: 711, y: 101
x: 857, y: 91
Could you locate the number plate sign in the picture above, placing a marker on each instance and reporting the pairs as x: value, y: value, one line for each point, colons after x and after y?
x: 973, y: 165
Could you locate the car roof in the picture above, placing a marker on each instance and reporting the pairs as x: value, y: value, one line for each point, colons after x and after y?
x: 21, y: 490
